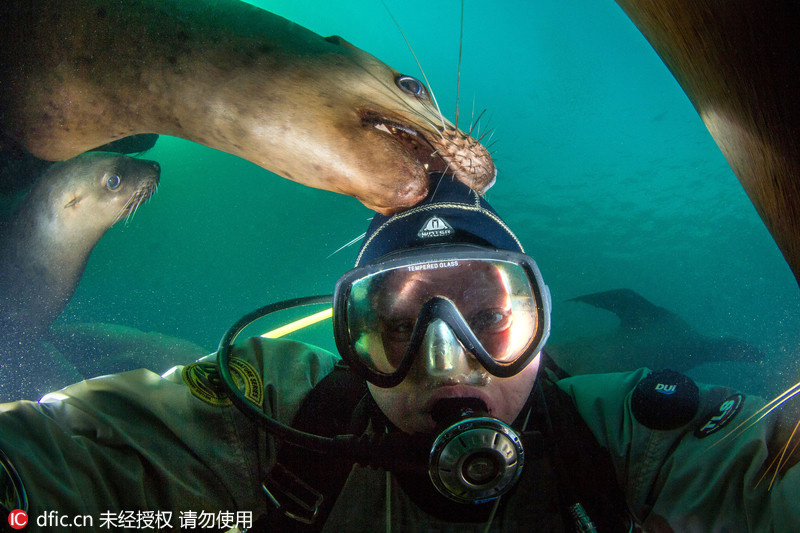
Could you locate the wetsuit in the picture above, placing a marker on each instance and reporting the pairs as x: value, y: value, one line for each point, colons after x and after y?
x: 138, y: 443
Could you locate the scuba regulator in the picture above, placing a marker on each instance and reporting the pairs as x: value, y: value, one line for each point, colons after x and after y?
x: 472, y: 459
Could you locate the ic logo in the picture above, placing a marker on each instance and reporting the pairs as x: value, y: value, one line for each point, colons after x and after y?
x: 665, y: 389
x: 17, y: 519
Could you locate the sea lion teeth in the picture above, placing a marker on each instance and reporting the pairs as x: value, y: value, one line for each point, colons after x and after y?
x: 416, y: 143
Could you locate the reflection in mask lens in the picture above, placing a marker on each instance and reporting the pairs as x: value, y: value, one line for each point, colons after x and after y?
x: 494, y: 298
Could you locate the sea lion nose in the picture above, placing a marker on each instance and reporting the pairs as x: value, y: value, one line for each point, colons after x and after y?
x: 156, y: 167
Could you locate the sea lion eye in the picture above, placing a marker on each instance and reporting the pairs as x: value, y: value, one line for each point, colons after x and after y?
x: 112, y: 182
x: 412, y: 86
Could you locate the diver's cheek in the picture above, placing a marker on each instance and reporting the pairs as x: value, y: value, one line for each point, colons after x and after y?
x: 507, y: 396
x: 403, y: 408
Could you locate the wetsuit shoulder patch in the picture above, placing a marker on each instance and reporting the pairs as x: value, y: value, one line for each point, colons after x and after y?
x: 665, y: 400
x: 204, y: 381
x: 721, y: 416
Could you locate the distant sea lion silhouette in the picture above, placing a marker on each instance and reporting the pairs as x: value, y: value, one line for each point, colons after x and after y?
x: 95, y: 348
x: 45, y: 245
x: 77, y: 74
x: 647, y: 336
x: 31, y: 369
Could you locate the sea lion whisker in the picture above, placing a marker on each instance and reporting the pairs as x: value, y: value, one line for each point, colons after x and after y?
x: 136, y: 199
x: 472, y: 116
x: 429, y: 105
x: 781, y: 459
x: 434, y: 127
x: 489, y: 132
x: 446, y: 168
x: 349, y: 243
x: 419, y: 146
x: 784, y: 457
x: 254, y: 55
x: 763, y: 412
x: 485, y: 129
x: 477, y: 121
x: 51, y: 251
x: 428, y: 121
x: 125, y: 211
x: 767, y: 470
x: 437, y: 188
x: 139, y: 201
x: 390, y: 89
x: 411, y: 110
x: 424, y: 76
x: 492, y: 143
x: 145, y: 195
x: 460, y: 46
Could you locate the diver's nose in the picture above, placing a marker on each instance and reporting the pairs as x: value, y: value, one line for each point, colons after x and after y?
x: 442, y: 353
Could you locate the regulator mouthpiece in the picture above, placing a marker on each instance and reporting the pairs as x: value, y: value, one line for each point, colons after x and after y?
x: 475, y: 458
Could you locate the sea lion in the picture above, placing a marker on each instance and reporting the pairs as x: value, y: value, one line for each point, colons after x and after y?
x: 79, y: 73
x: 45, y: 245
x: 19, y: 169
x: 647, y: 336
x: 739, y: 64
x: 29, y: 370
x: 95, y: 349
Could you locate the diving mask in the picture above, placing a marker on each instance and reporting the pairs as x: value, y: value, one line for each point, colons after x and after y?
x: 435, y: 301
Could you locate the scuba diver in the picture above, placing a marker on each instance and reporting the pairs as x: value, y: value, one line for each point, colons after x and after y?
x: 442, y: 413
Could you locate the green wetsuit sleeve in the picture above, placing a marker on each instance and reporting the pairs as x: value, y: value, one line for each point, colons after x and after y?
x: 139, y: 441
x: 677, y: 481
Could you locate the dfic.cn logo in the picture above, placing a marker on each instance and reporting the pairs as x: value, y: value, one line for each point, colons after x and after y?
x: 17, y: 519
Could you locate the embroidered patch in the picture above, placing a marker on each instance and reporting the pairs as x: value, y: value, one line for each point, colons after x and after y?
x: 720, y: 418
x: 12, y: 491
x: 204, y: 382
x: 435, y: 227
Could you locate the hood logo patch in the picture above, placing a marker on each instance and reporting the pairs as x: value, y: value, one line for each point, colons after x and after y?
x: 435, y: 227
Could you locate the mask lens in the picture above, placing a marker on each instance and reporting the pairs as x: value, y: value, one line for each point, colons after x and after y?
x: 494, y: 298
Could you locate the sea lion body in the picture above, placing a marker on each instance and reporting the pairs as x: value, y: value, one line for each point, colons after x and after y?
x: 97, y: 349
x: 739, y: 64
x: 80, y: 73
x: 648, y: 336
x: 45, y: 245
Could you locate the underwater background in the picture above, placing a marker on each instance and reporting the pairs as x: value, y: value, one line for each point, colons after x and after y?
x: 605, y: 172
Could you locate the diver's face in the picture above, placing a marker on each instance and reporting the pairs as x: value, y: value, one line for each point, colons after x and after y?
x: 480, y: 297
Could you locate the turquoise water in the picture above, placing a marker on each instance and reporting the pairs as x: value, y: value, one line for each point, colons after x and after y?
x: 605, y: 172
